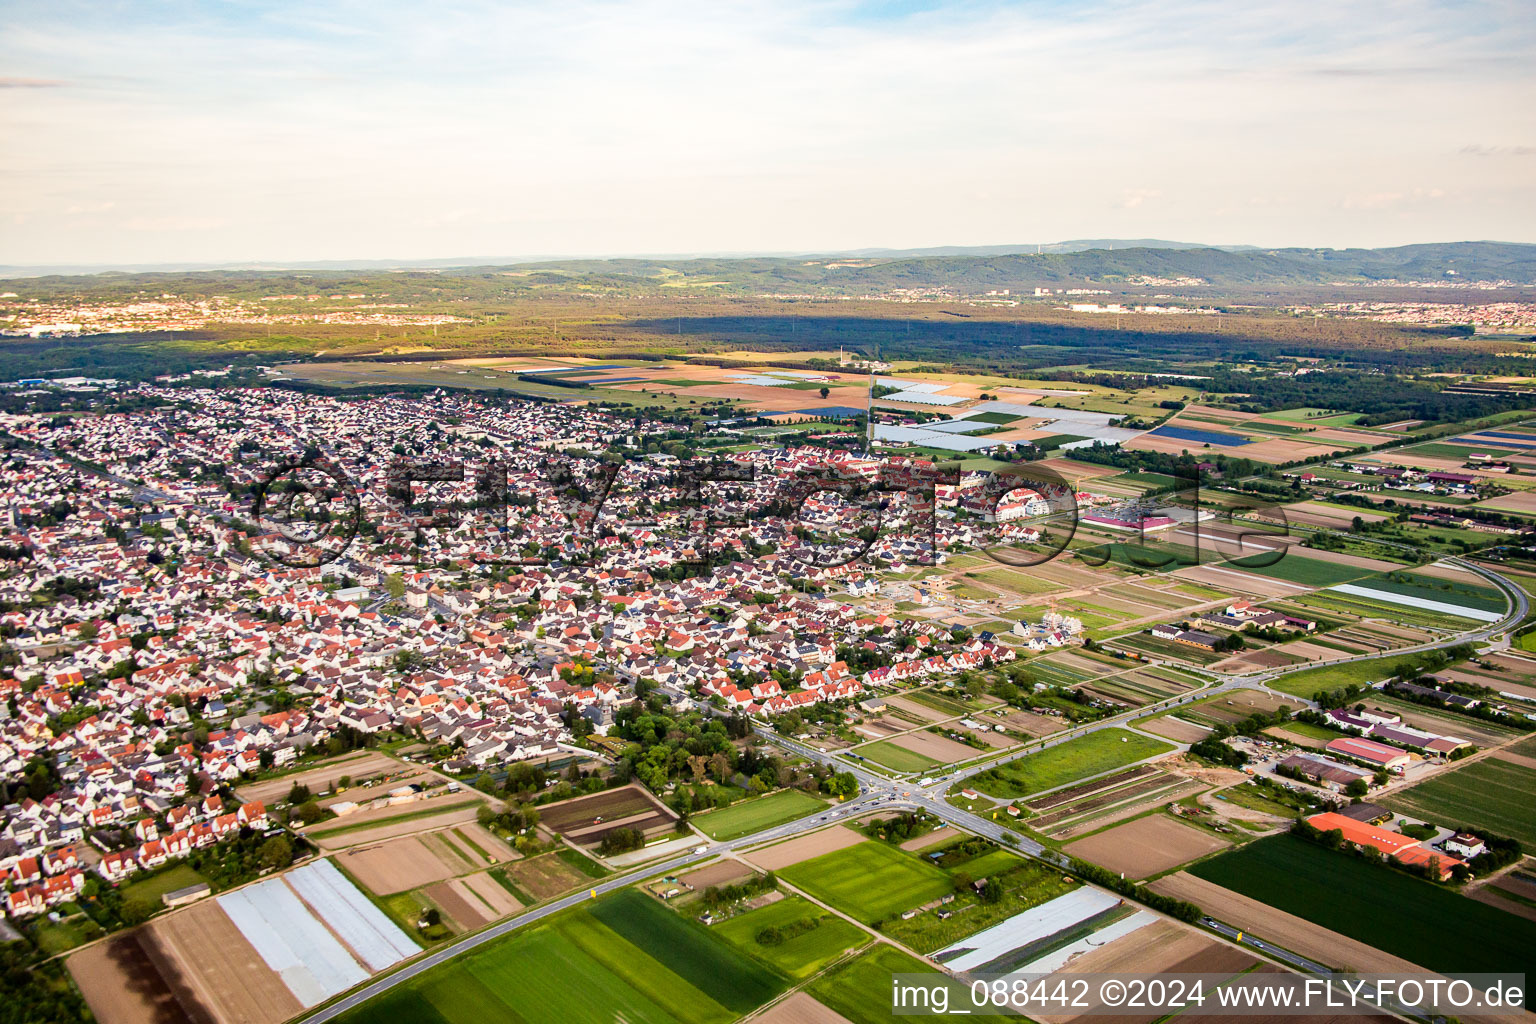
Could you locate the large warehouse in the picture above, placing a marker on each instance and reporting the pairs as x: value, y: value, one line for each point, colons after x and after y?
x: 1371, y: 752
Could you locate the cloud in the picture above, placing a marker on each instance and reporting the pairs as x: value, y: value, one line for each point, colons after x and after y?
x: 362, y: 128
x: 7, y: 82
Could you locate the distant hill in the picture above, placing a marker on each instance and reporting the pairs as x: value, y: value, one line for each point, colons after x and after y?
x: 1143, y: 266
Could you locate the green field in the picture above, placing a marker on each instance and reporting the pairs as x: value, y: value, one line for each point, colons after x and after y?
x: 152, y: 888
x: 624, y: 957
x: 1067, y: 762
x: 1408, y: 917
x: 1490, y: 794
x: 748, y: 816
x: 1331, y: 677
x: 1145, y: 479
x: 896, y: 758
x: 870, y: 882
x: 1309, y: 572
x: 994, y: 418
x: 1430, y: 588
x: 860, y: 989
x: 803, y: 955
x: 1313, y: 416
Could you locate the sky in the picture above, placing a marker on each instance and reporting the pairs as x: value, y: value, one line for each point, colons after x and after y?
x: 162, y: 132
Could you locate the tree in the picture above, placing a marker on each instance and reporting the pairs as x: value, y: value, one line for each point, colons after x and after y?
x: 298, y: 794
x: 310, y: 812
x: 843, y: 785
x: 276, y: 853
x: 825, y: 392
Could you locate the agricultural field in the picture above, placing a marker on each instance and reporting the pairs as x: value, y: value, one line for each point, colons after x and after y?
x: 1308, y: 572
x: 1091, y: 805
x: 778, y: 856
x: 748, y: 816
x: 1489, y: 793
x: 817, y: 937
x: 623, y: 957
x: 860, y: 990
x: 870, y: 882
x: 376, y: 825
x: 1376, y: 905
x: 406, y: 862
x: 896, y: 757
x: 585, y: 820
x: 259, y: 954
x: 1331, y: 677
x: 1024, y: 884
x: 546, y: 876
x: 1067, y: 762
x: 1147, y: 846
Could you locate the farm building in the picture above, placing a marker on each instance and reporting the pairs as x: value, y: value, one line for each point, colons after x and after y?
x: 1403, y: 849
x: 1326, y: 772
x: 1370, y: 752
x: 1371, y: 814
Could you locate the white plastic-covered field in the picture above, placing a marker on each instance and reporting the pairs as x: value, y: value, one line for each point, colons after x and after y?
x: 300, y: 944
x: 372, y: 936
x: 1020, y: 930
x: 1424, y: 603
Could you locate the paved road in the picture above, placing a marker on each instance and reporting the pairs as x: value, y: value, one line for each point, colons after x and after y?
x: 1284, y: 955
x: 879, y: 792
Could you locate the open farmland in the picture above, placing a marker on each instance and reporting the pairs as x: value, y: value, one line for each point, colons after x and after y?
x: 373, y: 826
x: 897, y: 758
x: 546, y: 876
x: 750, y: 816
x: 1067, y: 762
x: 1145, y: 847
x: 1489, y: 793
x: 860, y: 989
x: 474, y: 900
x: 1091, y: 805
x: 323, y: 777
x: 1286, y: 930
x: 122, y: 985
x: 396, y: 865
x: 576, y: 967
x: 200, y: 950
x: 1375, y: 905
x: 799, y: 1008
x: 818, y: 937
x: 870, y: 881
x: 802, y: 848
x: 585, y: 820
x: 932, y: 745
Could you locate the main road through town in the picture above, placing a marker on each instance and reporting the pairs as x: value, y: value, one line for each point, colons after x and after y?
x: 879, y: 792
